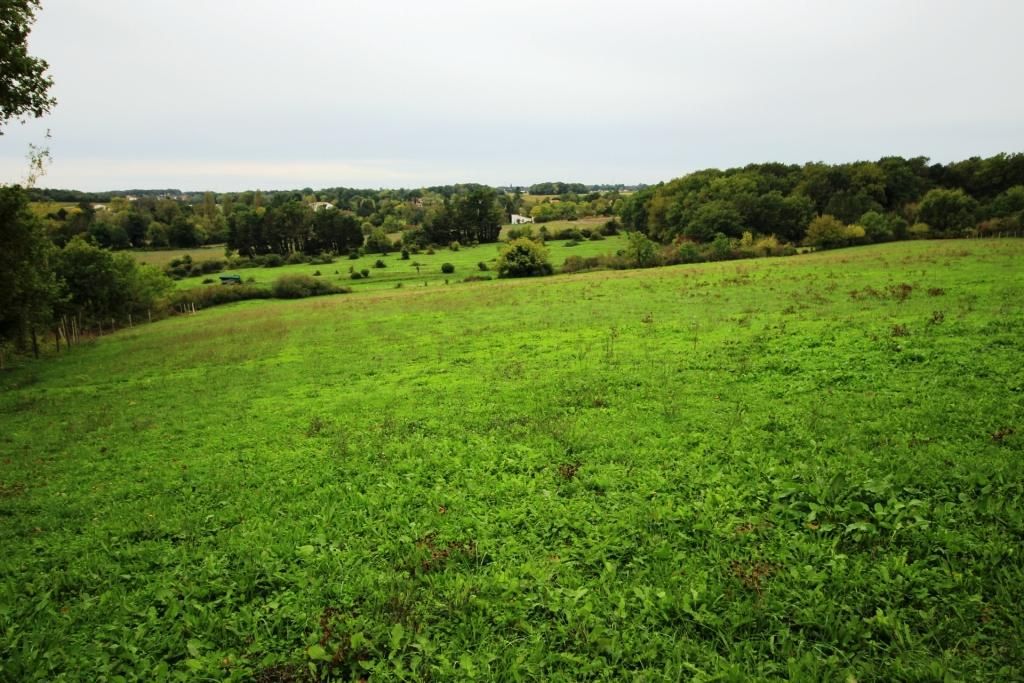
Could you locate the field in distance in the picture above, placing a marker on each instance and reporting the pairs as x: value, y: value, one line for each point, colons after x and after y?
x: 396, y: 270
x: 804, y: 468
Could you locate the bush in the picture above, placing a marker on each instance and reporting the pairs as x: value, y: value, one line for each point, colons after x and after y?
x: 205, y: 297
x: 353, y: 255
x: 296, y: 258
x: 477, y: 278
x: 211, y: 266
x: 207, y: 280
x: 356, y: 276
x: 301, y: 286
x: 482, y: 266
x: 447, y: 268
x: 688, y: 253
x: 523, y: 258
x: 405, y: 254
x: 826, y: 232
x: 572, y: 243
x: 455, y: 246
x: 380, y: 264
x: 365, y: 272
x: 271, y: 261
x: 919, y: 230
x: 610, y: 228
x: 596, y: 236
x: 316, y: 273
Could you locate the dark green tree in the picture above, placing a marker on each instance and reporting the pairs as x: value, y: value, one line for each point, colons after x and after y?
x: 28, y: 287
x: 24, y: 84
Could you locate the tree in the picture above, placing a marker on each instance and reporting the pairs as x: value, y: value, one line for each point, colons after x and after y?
x: 523, y: 258
x: 950, y: 212
x: 825, y: 232
x: 641, y: 250
x: 24, y: 85
x: 715, y: 217
x: 27, y: 284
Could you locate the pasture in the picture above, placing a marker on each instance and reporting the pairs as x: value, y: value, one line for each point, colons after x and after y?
x: 406, y: 273
x: 806, y: 468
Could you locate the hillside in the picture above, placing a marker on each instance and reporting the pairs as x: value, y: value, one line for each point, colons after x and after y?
x: 806, y: 467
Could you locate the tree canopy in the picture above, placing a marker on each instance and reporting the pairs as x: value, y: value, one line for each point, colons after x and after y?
x: 24, y: 83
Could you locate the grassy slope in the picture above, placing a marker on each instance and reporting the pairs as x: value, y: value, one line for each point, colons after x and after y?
x: 731, y: 470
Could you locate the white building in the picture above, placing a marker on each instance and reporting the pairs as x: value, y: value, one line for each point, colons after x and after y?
x: 517, y: 219
x: 320, y: 206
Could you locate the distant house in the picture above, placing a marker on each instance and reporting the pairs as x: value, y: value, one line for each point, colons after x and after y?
x: 517, y: 219
x: 320, y: 206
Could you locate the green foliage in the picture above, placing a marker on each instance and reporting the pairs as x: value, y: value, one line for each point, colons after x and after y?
x: 28, y: 287
x: 826, y: 232
x: 950, y: 212
x: 301, y: 286
x: 24, y: 83
x: 447, y: 268
x: 378, y: 242
x: 641, y: 250
x: 523, y: 258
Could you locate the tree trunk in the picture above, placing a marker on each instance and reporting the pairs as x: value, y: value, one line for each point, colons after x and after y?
x: 35, y: 343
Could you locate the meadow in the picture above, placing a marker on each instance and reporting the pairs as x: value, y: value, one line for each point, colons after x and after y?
x: 399, y: 272
x: 803, y: 468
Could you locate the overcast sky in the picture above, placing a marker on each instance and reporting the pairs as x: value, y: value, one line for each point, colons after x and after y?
x: 235, y: 94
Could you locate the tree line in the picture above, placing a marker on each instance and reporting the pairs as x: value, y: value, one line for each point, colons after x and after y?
x: 892, y: 198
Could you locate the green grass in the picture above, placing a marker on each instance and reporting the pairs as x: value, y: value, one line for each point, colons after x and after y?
x: 162, y: 257
x: 398, y: 271
x: 806, y: 468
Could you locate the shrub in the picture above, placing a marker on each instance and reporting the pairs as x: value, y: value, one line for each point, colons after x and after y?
x: 272, y: 261
x: 610, y: 228
x: 575, y: 264
x: 825, y: 232
x: 211, y: 266
x: 430, y: 251
x: 300, y: 286
x: 405, y: 254
x: 477, y: 278
x: 688, y: 253
x: 447, y: 268
x: 356, y: 276
x: 353, y: 255
x: 482, y: 266
x: 205, y: 297
x: 380, y: 264
x: 455, y: 246
x: 207, y: 280
x: 596, y: 236
x: 572, y: 243
x: 523, y: 258
x: 296, y: 258
x: 365, y: 272
x: 919, y: 230
x: 316, y: 273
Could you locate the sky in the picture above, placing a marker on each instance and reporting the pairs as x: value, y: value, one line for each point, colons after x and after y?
x: 242, y: 94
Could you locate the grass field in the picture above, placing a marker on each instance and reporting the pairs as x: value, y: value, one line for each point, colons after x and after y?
x: 809, y: 468
x: 396, y: 271
x: 162, y: 257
